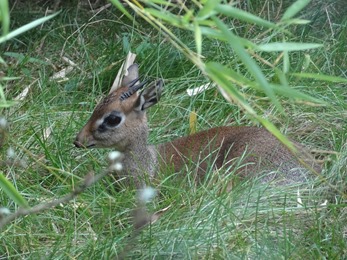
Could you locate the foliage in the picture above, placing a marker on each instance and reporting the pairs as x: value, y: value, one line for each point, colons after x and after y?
x: 7, y: 187
x: 198, y: 221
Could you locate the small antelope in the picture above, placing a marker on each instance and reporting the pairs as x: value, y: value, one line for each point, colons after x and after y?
x: 119, y: 121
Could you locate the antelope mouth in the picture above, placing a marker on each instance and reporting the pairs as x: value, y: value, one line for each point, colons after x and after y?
x: 80, y: 145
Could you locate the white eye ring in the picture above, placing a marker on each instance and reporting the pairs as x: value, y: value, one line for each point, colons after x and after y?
x: 110, y: 121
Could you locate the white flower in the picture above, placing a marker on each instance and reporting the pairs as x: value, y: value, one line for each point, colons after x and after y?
x: 10, y: 153
x: 147, y: 194
x: 4, y: 211
x: 116, y: 167
x: 114, y: 156
x: 3, y: 122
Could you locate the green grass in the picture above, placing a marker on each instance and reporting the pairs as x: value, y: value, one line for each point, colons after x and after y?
x: 204, y: 221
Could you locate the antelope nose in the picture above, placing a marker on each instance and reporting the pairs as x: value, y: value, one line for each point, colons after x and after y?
x: 78, y: 144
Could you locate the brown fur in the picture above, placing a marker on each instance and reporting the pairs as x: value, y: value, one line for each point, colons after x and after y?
x: 214, y: 148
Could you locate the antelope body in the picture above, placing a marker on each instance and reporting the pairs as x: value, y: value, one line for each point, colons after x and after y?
x: 119, y: 121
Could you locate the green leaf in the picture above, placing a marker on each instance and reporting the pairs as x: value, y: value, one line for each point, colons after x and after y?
x: 121, y: 8
x: 208, y: 9
x: 294, y: 9
x: 26, y: 27
x: 249, y: 63
x: 11, y: 191
x: 320, y: 77
x: 220, y: 74
x: 273, y: 130
x: 9, y: 78
x: 198, y: 38
x: 243, y: 16
x: 213, y: 33
x: 292, y: 93
x: 165, y: 16
x: 287, y: 46
x: 4, y: 17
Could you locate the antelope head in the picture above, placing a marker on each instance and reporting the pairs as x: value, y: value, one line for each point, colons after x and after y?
x: 119, y: 120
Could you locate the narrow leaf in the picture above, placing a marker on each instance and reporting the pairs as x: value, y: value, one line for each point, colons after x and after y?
x: 208, y: 9
x: 292, y: 93
x: 165, y: 16
x: 287, y: 46
x: 243, y: 16
x: 320, y: 77
x: 273, y: 130
x: 11, y: 191
x: 198, y: 38
x: 4, y: 17
x: 121, y: 8
x: 249, y: 63
x: 220, y: 74
x: 295, y: 8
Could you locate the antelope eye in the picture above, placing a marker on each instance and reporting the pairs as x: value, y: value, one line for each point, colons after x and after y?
x: 112, y: 120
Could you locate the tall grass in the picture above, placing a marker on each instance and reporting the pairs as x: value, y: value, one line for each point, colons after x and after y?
x: 252, y: 220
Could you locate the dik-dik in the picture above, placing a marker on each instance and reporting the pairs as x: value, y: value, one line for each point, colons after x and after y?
x: 119, y: 121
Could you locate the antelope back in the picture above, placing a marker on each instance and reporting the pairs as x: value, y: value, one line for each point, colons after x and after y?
x: 119, y: 120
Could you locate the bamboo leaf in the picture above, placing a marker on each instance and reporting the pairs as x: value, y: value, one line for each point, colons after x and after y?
x: 220, y: 74
x: 198, y: 38
x: 4, y: 17
x: 250, y: 64
x: 165, y: 16
x: 212, y: 33
x: 320, y: 77
x: 287, y: 46
x: 11, y: 191
x: 273, y: 130
x: 121, y: 8
x: 243, y: 16
x: 295, y: 8
x: 292, y: 93
x: 208, y: 9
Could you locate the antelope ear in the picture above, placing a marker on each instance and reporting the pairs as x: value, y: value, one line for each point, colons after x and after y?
x: 149, y: 96
x: 132, y: 74
x: 117, y: 83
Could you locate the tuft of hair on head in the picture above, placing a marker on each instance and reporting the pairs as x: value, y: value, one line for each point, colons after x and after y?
x: 132, y: 89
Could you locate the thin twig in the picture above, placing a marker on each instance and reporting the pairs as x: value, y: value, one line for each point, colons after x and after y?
x: 89, y: 180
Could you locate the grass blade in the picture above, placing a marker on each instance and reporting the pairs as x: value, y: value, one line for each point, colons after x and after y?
x: 11, y: 191
x: 26, y: 27
x: 121, y: 8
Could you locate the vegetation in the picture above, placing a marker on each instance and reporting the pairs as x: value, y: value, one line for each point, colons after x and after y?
x: 57, y: 72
